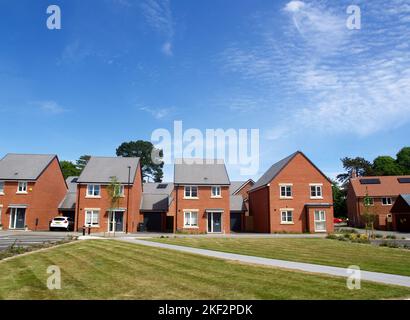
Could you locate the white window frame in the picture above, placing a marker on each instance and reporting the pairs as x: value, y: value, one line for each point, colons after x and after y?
x: 320, y: 220
x: 191, y: 212
x: 1, y: 211
x: 190, y: 192
x: 91, y: 195
x: 2, y: 183
x: 24, y: 188
x: 121, y: 191
x: 387, y: 202
x: 287, y: 211
x: 218, y: 193
x: 93, y: 211
x: 317, y: 186
x: 286, y: 185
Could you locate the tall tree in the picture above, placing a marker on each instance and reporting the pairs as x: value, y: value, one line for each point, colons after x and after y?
x: 150, y: 157
x: 69, y: 169
x: 403, y: 159
x: 359, y: 165
x: 386, y: 166
x: 82, y: 162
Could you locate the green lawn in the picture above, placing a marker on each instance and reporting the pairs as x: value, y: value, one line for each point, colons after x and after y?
x: 108, y: 269
x: 318, y: 251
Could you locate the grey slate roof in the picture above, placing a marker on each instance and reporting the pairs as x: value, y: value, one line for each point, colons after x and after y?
x: 69, y: 201
x: 236, y: 203
x: 154, y: 199
x: 101, y: 169
x: 24, y: 166
x: 273, y: 171
x: 200, y: 172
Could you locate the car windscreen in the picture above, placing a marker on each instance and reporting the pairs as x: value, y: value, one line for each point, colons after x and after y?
x: 59, y: 219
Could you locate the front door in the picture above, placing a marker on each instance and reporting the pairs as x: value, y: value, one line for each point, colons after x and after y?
x: 214, y: 222
x: 320, y: 221
x: 17, y: 218
x: 116, y: 221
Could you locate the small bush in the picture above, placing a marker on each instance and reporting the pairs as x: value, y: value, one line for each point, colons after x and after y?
x: 389, y: 244
x: 391, y: 236
x: 378, y: 236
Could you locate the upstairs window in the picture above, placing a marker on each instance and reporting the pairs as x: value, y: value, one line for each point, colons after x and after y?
x: 387, y: 201
x: 1, y: 187
x: 316, y: 191
x: 119, y: 190
x: 191, y: 192
x: 22, y: 187
x: 216, y: 192
x: 286, y: 191
x: 93, y: 190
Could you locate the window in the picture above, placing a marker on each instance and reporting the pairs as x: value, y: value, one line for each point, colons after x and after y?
x: 387, y: 201
x: 216, y: 192
x: 1, y: 187
x: 93, y: 190
x: 286, y: 217
x: 316, y: 191
x: 1, y: 208
x: 320, y: 221
x: 92, y: 218
x: 368, y: 201
x: 22, y: 187
x: 286, y: 191
x: 190, y: 219
x: 191, y: 192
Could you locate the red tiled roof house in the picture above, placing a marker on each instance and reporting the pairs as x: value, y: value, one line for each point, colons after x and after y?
x: 382, y: 193
x: 292, y: 196
x: 31, y: 188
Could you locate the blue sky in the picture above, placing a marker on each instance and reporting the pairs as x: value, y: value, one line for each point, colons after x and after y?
x: 119, y: 69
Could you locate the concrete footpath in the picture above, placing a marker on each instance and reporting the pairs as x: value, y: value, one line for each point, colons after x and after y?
x: 298, y: 266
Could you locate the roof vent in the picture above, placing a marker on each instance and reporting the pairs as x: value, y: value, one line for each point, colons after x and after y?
x: 403, y: 180
x: 369, y: 181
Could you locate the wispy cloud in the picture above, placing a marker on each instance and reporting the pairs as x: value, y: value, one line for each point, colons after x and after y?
x: 157, y: 113
x: 335, y: 80
x: 50, y: 107
x: 158, y: 15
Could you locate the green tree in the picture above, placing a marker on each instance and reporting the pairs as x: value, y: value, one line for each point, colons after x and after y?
x: 69, y: 169
x: 403, y: 159
x: 361, y: 166
x: 150, y: 157
x: 339, y: 200
x: 368, y: 215
x: 386, y: 166
x: 82, y: 162
x: 114, y: 192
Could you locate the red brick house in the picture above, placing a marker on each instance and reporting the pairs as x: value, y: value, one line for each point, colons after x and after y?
x: 382, y: 192
x: 293, y: 195
x: 31, y: 188
x: 94, y: 208
x: 201, y: 195
x: 239, y: 205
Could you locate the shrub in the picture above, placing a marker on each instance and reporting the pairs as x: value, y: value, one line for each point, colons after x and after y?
x: 391, y: 236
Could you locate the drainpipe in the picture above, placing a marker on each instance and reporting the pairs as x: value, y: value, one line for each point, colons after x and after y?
x: 77, y: 214
x: 176, y: 209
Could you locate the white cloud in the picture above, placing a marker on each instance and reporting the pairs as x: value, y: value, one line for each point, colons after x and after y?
x: 294, y: 6
x: 158, y: 15
x: 157, y: 113
x: 167, y: 48
x: 335, y: 80
x: 50, y: 107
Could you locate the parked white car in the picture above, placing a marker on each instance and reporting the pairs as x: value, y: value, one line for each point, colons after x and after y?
x: 62, y: 223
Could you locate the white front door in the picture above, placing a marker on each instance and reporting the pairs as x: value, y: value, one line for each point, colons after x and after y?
x: 320, y: 221
x: 116, y: 221
x: 214, y: 222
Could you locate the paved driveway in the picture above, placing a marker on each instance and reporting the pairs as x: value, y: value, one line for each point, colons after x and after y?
x: 25, y: 239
